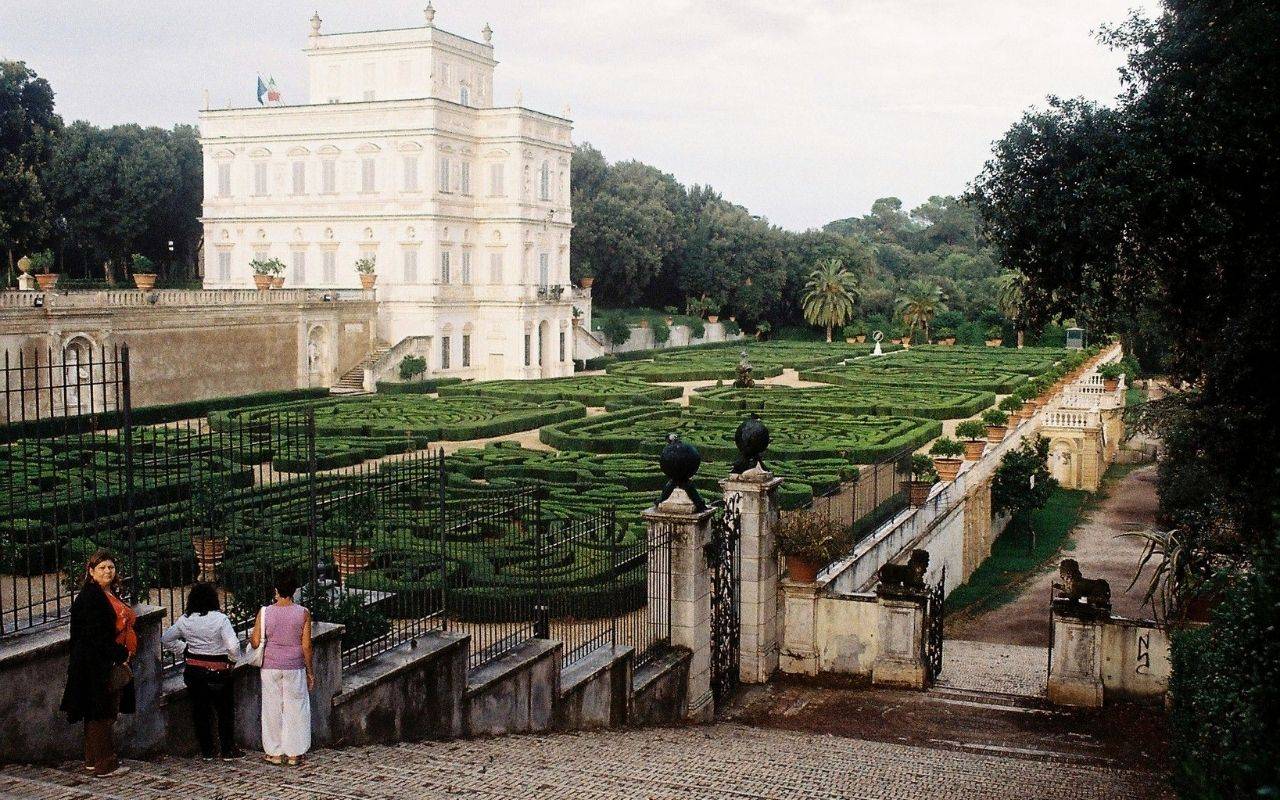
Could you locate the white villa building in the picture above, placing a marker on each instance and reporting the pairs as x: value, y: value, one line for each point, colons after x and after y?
x: 400, y: 154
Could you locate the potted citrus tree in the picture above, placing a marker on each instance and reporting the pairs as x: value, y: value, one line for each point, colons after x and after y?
x: 997, y: 423
x: 353, y: 527
x: 1027, y: 396
x: 587, y: 275
x: 946, y: 454
x: 810, y: 541
x: 713, y: 310
x: 974, y: 434
x: 923, y: 477
x: 264, y: 269
x: 993, y: 337
x: 1111, y: 376
x: 365, y: 268
x: 211, y: 518
x: 144, y: 272
x: 42, y: 267
x: 1012, y: 406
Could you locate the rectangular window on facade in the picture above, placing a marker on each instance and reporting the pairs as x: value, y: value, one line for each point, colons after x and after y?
x: 299, y: 177
x: 299, y: 266
x: 495, y: 268
x: 544, y: 182
x: 329, y: 267
x: 544, y: 269
x: 444, y: 175
x: 466, y: 349
x: 224, y: 265
x: 444, y: 352
x: 366, y: 175
x: 410, y: 266
x: 260, y: 178
x: 224, y: 180
x: 464, y: 96
x: 562, y: 345
x: 466, y: 267
x: 444, y: 267
x: 527, y: 347
x: 496, y: 187
x: 540, y: 346
x: 329, y: 177
x: 464, y: 179
x: 411, y: 173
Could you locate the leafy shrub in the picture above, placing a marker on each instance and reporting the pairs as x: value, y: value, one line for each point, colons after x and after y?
x: 661, y: 331
x: 366, y: 265
x: 266, y: 266
x: 813, y: 536
x: 922, y: 469
x: 1011, y: 403
x: 363, y: 623
x: 972, y: 429
x: 140, y: 264
x: 1012, y: 491
x: 697, y: 328
x: 615, y: 329
x: 946, y: 447
x: 411, y: 366
x: 995, y: 417
x: 1111, y: 371
x: 731, y: 328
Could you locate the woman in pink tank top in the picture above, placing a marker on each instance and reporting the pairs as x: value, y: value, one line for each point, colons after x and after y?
x: 287, y: 676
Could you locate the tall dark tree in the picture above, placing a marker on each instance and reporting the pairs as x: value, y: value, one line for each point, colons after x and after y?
x: 28, y: 130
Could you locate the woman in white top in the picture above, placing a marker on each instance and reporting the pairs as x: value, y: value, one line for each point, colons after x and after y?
x: 204, y: 635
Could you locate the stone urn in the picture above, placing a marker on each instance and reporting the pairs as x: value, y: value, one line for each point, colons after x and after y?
x: 145, y: 281
x: 995, y: 433
x: 973, y: 449
x: 585, y: 283
x: 713, y: 319
x: 1110, y: 384
x: 802, y: 570
x: 367, y: 280
x: 261, y: 282
x: 209, y: 553
x: 47, y: 280
x: 995, y: 342
x: 947, y: 468
x: 352, y: 558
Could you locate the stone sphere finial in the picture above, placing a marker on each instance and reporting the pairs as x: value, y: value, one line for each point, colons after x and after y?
x: 430, y: 13
x: 679, y: 462
x: 315, y: 24
x: 752, y: 439
x: 487, y: 33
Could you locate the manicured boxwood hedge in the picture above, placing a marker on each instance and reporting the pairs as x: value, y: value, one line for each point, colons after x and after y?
x: 879, y: 399
x: 768, y: 359
x: 596, y: 390
x: 430, y: 386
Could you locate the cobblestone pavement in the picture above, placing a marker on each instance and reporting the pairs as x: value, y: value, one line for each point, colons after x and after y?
x: 987, y: 667
x: 719, y: 761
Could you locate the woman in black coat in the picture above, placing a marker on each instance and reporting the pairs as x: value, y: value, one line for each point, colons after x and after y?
x: 102, y: 638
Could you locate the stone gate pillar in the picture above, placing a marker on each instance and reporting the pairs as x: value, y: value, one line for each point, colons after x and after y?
x: 759, y: 607
x: 690, y: 533
x: 1075, y: 672
x: 900, y: 661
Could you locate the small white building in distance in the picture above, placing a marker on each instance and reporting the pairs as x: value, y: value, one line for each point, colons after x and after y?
x: 401, y: 154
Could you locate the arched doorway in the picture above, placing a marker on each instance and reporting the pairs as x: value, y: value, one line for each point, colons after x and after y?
x: 77, y: 376
x: 1063, y: 463
x: 318, y: 357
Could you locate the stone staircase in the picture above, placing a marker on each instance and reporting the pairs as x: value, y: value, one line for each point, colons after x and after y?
x: 352, y: 382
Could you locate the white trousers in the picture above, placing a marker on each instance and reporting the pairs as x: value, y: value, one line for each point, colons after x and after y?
x: 286, y: 712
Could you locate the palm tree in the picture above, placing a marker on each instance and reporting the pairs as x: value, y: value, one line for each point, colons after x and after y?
x: 918, y: 306
x: 829, y: 295
x: 1009, y: 296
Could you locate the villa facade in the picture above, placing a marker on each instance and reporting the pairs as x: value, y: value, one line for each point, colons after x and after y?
x: 400, y: 154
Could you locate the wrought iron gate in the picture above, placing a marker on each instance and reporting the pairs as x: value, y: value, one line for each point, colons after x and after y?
x: 723, y: 557
x: 934, y: 612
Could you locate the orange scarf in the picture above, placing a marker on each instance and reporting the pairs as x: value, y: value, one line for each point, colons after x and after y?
x: 125, y: 619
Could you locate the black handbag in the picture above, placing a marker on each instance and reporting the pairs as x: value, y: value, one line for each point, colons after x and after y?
x: 120, y: 677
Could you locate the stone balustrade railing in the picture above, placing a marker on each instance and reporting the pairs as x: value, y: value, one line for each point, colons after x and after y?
x: 1071, y: 418
x: 126, y: 298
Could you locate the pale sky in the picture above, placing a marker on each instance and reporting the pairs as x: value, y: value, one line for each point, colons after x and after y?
x: 804, y: 111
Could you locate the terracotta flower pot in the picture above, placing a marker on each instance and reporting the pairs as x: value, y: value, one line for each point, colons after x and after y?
x: 860, y: 338
x: 995, y: 433
x: 802, y: 570
x: 47, y: 280
x: 145, y: 281
x: 1028, y: 408
x: 973, y: 449
x: 918, y: 492
x: 585, y: 283
x: 995, y: 342
x: 948, y: 468
x: 367, y: 281
x: 577, y: 322
x: 851, y: 340
x: 1110, y: 384
x: 209, y: 553
x: 670, y: 321
x: 713, y: 319
x: 350, y: 559
x: 261, y: 282
x: 644, y: 323
x: 277, y: 282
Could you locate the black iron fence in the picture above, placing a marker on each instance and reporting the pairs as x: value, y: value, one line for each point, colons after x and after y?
x: 875, y: 495
x: 389, y: 547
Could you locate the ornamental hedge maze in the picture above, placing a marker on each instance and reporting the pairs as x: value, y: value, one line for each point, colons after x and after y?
x: 595, y: 390
x: 767, y: 359
x: 874, y: 399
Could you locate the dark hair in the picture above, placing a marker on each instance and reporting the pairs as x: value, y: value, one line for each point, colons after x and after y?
x: 202, y: 599
x: 286, y: 583
x: 100, y: 555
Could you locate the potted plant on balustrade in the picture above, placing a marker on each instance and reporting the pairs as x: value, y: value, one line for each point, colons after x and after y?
x: 974, y: 434
x: 671, y: 312
x: 997, y: 423
x: 1026, y: 394
x: 211, y: 519
x: 1012, y: 406
x: 42, y: 264
x: 946, y: 454
x: 144, y: 272
x: 264, y: 269
x: 352, y: 525
x: 1111, y: 376
x: 855, y: 332
x: 577, y: 316
x: 994, y: 335
x: 946, y: 336
x: 713, y: 310
x: 923, y: 477
x: 365, y: 267
x: 810, y: 540
x: 762, y: 330
x: 586, y: 274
